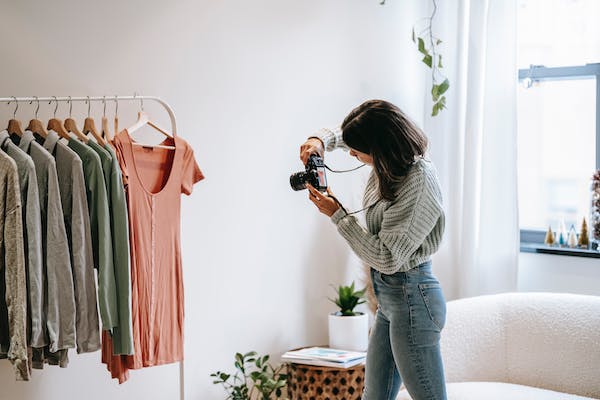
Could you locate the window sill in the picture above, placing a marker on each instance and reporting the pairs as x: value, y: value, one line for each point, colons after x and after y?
x: 559, y: 251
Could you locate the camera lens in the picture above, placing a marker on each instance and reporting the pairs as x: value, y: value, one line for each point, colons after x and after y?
x: 298, y: 180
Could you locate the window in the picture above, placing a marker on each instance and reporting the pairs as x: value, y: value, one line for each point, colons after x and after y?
x: 558, y: 112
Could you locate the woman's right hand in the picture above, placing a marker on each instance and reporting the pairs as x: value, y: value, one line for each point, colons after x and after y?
x: 311, y: 146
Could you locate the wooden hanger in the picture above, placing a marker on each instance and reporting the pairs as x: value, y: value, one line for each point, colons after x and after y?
x: 71, y: 125
x: 35, y: 125
x: 57, y: 126
x: 90, y: 127
x: 105, y: 133
x: 144, y: 119
x: 116, y: 121
x: 14, y: 125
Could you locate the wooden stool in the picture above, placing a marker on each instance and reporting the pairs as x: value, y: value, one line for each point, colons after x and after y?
x: 310, y: 382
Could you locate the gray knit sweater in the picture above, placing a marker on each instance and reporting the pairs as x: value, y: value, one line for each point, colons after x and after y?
x: 400, y: 234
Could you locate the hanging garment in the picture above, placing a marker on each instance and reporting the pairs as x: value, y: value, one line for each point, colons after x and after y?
x: 59, y: 332
x: 101, y: 235
x: 154, y: 179
x: 13, y: 286
x: 32, y: 236
x: 122, y: 338
x: 77, y: 224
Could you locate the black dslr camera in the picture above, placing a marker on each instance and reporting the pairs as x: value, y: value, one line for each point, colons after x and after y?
x: 314, y: 175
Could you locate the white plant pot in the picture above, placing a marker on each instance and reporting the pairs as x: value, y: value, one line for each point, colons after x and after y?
x: 349, y: 332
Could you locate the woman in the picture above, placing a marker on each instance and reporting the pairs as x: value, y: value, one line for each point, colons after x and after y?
x: 405, y: 223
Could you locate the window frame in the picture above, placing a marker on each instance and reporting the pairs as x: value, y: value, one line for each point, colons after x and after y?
x: 532, y: 240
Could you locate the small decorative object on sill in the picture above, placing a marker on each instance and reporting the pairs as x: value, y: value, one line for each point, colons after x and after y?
x: 562, y: 234
x: 572, y: 240
x: 549, y: 239
x: 584, y: 241
x: 561, y: 239
x: 595, y: 211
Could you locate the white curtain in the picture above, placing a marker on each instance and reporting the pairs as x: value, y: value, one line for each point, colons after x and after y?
x: 473, y: 144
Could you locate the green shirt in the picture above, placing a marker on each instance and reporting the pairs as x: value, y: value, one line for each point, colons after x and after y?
x: 117, y: 203
x: 101, y: 235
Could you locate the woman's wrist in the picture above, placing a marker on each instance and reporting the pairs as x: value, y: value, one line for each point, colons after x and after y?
x: 337, y: 216
x: 317, y: 138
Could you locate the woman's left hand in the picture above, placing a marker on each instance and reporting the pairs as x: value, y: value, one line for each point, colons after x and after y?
x: 324, y: 203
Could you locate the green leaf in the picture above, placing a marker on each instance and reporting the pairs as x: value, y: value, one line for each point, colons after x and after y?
x: 435, y: 94
x: 440, y: 105
x: 422, y: 46
x: 255, y: 375
x: 444, y: 86
x: 413, y: 35
x: 438, y: 41
x: 442, y: 102
x: 427, y: 60
x: 440, y: 61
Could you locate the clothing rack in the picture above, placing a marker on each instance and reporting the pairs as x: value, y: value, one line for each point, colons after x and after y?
x: 105, y: 99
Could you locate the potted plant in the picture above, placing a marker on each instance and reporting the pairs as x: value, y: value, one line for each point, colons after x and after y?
x: 255, y: 379
x: 349, y: 329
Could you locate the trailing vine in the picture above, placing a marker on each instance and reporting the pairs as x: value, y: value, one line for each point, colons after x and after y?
x: 427, y: 44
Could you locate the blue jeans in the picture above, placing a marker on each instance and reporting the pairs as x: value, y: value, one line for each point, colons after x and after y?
x: 405, y: 340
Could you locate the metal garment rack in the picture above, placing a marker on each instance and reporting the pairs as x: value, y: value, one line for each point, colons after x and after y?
x: 105, y: 99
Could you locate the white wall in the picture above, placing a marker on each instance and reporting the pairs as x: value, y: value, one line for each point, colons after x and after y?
x: 249, y: 80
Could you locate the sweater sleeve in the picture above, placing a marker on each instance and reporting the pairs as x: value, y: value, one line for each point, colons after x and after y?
x: 332, y: 139
x: 405, y: 225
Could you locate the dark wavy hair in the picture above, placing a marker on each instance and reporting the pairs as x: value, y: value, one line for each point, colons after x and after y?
x: 383, y: 131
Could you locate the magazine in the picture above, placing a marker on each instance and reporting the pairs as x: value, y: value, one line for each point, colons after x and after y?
x: 321, y: 356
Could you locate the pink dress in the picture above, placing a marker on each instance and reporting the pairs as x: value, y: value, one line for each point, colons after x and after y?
x: 154, y: 180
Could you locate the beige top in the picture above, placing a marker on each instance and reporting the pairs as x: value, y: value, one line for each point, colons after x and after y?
x: 12, y: 266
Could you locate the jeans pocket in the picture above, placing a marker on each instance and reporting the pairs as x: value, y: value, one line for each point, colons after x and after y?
x: 434, y: 300
x: 396, y: 280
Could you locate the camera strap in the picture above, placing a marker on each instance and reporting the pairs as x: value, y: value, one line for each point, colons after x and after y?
x: 337, y: 201
x: 345, y: 170
x: 344, y: 208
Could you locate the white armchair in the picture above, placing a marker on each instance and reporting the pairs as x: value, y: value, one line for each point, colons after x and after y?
x: 522, y: 346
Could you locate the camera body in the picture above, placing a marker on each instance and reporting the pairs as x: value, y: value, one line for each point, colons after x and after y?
x: 314, y: 175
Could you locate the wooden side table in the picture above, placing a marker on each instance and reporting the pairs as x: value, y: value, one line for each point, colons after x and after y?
x: 309, y: 382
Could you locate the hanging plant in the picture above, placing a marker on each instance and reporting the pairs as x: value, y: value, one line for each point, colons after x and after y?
x: 427, y: 44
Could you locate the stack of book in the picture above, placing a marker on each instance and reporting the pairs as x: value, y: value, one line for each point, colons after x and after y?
x: 325, y: 357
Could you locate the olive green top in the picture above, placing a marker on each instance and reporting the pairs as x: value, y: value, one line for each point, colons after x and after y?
x: 101, y: 234
x: 117, y: 204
